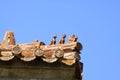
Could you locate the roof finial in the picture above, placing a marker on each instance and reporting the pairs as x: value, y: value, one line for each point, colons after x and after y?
x: 72, y: 38
x: 53, y: 40
x: 9, y: 38
x: 62, y: 40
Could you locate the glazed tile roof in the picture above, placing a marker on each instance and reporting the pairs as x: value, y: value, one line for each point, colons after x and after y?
x: 66, y: 53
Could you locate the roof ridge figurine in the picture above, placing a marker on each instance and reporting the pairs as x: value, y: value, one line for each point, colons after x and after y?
x: 53, y: 42
x: 62, y: 40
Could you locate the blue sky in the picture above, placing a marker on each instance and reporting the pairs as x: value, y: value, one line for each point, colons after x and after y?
x: 95, y: 22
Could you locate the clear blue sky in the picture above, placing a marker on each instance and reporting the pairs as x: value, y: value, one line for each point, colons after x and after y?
x: 95, y: 22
